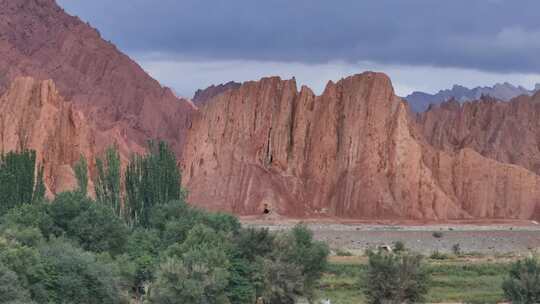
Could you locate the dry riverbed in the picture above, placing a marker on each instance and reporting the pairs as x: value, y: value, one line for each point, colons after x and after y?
x: 490, y: 239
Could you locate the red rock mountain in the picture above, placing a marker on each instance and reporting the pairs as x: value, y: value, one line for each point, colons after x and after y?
x: 38, y: 39
x: 353, y: 152
x: 356, y: 151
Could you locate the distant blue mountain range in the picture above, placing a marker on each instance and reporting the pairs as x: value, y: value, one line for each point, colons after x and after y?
x: 420, y: 101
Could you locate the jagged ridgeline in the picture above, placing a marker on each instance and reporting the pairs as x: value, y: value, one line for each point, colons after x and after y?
x: 19, y: 183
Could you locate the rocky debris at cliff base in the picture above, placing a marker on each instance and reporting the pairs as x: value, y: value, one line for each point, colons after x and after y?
x: 484, y: 239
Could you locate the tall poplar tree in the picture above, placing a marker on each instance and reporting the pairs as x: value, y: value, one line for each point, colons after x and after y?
x: 107, y: 185
x: 19, y: 183
x: 150, y: 180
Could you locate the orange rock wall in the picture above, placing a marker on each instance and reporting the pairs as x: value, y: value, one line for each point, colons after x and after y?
x: 354, y: 152
x: 34, y: 116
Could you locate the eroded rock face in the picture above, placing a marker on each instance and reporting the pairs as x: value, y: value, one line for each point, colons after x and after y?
x: 38, y: 39
x: 34, y: 116
x: 353, y: 152
x: 508, y: 132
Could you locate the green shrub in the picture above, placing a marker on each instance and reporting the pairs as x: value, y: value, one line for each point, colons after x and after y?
x: 291, y: 269
x: 65, y: 208
x: 310, y: 255
x: 243, y: 280
x: 523, y: 282
x: 143, y: 248
x: 283, y: 282
x: 94, y: 226
x: 281, y: 277
x: 398, y: 246
x: 252, y: 243
x: 395, y: 278
x: 195, y: 271
x: 222, y: 222
x: 178, y: 283
x: 97, y: 229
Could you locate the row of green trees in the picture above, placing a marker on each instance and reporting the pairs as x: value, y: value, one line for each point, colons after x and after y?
x: 146, y: 245
x: 149, y: 180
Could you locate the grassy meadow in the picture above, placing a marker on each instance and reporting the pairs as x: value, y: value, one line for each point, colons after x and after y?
x: 465, y: 279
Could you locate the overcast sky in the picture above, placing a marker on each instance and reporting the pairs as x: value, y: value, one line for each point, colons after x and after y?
x: 423, y: 45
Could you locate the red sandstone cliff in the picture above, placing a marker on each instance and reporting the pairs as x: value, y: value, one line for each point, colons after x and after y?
x: 38, y: 39
x: 505, y: 131
x: 34, y: 116
x: 355, y: 152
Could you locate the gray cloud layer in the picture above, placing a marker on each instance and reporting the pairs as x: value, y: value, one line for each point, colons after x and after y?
x: 489, y: 35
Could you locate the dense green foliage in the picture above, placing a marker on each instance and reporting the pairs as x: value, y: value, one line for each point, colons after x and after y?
x: 95, y: 228
x: 523, y: 283
x: 195, y: 271
x: 77, y: 250
x: 78, y: 276
x: 11, y: 290
x: 396, y: 278
x: 18, y: 180
x: 58, y: 272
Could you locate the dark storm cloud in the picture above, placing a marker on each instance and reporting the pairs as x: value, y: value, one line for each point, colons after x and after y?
x: 492, y: 35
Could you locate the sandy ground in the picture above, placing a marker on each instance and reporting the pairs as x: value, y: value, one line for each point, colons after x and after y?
x: 502, y: 237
